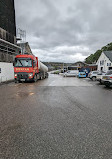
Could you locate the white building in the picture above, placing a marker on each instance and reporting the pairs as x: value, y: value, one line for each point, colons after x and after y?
x: 6, y: 71
x: 105, y: 61
x: 8, y: 51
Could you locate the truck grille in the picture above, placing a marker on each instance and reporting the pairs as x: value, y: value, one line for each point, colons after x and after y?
x: 22, y: 76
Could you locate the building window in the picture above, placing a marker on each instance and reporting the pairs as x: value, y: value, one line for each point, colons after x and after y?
x: 108, y: 64
x: 102, y: 62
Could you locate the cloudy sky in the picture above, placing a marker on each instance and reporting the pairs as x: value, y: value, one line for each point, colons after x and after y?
x: 65, y: 30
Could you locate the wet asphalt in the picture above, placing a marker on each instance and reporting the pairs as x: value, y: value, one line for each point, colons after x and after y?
x: 56, y: 118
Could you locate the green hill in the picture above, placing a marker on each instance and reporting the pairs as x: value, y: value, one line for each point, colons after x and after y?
x: 94, y: 57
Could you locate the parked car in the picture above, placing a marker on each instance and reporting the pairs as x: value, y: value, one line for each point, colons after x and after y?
x: 82, y: 75
x: 71, y: 73
x: 107, y: 79
x: 92, y: 75
x: 100, y: 76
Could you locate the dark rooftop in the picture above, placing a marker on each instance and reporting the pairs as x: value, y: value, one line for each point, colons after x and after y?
x: 108, y: 54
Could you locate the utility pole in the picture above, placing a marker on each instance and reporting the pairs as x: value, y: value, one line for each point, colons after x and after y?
x: 63, y: 67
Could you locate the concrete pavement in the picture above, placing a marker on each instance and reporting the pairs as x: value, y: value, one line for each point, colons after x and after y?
x: 56, y: 118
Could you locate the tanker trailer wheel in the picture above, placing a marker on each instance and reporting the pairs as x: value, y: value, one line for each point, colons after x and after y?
x: 41, y: 78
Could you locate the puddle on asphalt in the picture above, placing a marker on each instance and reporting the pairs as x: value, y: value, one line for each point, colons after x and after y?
x: 24, y: 94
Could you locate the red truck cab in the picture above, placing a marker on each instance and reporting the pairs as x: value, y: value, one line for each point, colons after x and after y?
x: 26, y: 68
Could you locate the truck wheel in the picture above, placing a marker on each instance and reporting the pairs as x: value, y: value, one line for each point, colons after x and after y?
x: 35, y: 78
x: 93, y: 78
x: 16, y: 81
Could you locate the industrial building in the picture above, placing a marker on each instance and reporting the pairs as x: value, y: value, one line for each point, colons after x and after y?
x: 7, y: 21
x: 8, y: 45
x: 25, y: 48
x: 79, y: 65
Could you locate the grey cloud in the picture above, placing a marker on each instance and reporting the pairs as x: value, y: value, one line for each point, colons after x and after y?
x: 51, y: 24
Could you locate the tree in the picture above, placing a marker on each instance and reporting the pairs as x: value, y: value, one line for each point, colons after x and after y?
x: 94, y: 57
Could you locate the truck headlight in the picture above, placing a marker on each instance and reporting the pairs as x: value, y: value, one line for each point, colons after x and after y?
x: 30, y: 74
x: 15, y: 74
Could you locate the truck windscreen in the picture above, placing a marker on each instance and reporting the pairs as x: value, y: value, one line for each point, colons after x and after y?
x: 23, y: 63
